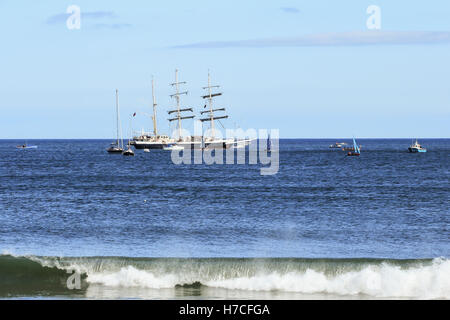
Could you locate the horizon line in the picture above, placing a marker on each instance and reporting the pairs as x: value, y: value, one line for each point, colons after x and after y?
x: 297, y: 138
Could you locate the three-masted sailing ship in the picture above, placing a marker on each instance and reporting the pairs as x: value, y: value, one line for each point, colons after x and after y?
x: 179, y: 113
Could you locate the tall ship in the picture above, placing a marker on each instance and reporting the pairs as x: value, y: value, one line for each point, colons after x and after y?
x: 180, y: 113
x: 153, y: 140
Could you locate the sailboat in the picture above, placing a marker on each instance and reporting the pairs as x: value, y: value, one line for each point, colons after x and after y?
x: 269, y: 144
x: 153, y: 140
x: 117, y: 146
x: 129, y: 151
x: 356, y: 151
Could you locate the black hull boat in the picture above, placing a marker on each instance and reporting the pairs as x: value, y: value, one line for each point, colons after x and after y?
x: 114, y: 149
x: 147, y: 145
x: 151, y: 141
x: 128, y: 152
x: 117, y: 146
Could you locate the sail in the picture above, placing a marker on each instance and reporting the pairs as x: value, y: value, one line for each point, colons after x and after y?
x: 355, y: 146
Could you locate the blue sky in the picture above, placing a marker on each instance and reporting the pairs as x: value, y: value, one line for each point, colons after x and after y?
x: 310, y: 68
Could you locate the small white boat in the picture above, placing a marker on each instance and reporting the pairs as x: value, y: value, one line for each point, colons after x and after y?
x: 337, y: 145
x: 25, y: 146
x: 146, y: 150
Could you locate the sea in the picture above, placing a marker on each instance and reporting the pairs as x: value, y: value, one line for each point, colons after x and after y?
x: 79, y: 223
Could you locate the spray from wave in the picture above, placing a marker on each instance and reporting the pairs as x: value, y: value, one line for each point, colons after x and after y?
x: 378, y: 278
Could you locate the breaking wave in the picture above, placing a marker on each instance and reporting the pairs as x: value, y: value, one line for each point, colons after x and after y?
x: 378, y: 278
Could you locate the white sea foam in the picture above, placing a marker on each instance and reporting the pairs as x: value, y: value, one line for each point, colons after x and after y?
x: 132, y: 277
x: 429, y: 282
x: 379, y: 280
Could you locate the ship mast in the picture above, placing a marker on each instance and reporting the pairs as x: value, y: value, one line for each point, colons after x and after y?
x: 117, y: 116
x: 155, y: 129
x: 211, y: 111
x: 178, y: 111
x: 118, y: 127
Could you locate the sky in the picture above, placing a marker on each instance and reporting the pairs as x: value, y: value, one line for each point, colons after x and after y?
x: 311, y: 69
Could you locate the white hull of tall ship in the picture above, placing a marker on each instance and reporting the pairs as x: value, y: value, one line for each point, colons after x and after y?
x: 218, y: 143
x: 213, y: 144
x: 192, y: 142
x: 189, y: 144
x: 238, y: 144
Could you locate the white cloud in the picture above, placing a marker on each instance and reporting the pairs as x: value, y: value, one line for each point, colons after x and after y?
x: 334, y: 39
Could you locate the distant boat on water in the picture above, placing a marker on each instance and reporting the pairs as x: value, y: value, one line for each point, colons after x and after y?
x: 153, y: 140
x: 356, y: 151
x: 25, y: 146
x: 415, y: 147
x: 351, y: 148
x: 337, y: 145
x: 117, y: 146
x: 128, y: 152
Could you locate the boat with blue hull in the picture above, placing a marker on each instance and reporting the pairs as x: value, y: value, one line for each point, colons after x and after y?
x: 416, y: 148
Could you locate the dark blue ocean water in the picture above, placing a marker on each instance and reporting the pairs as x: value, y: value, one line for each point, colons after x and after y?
x: 71, y: 198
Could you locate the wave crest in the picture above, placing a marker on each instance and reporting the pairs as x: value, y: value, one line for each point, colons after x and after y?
x: 422, y: 279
